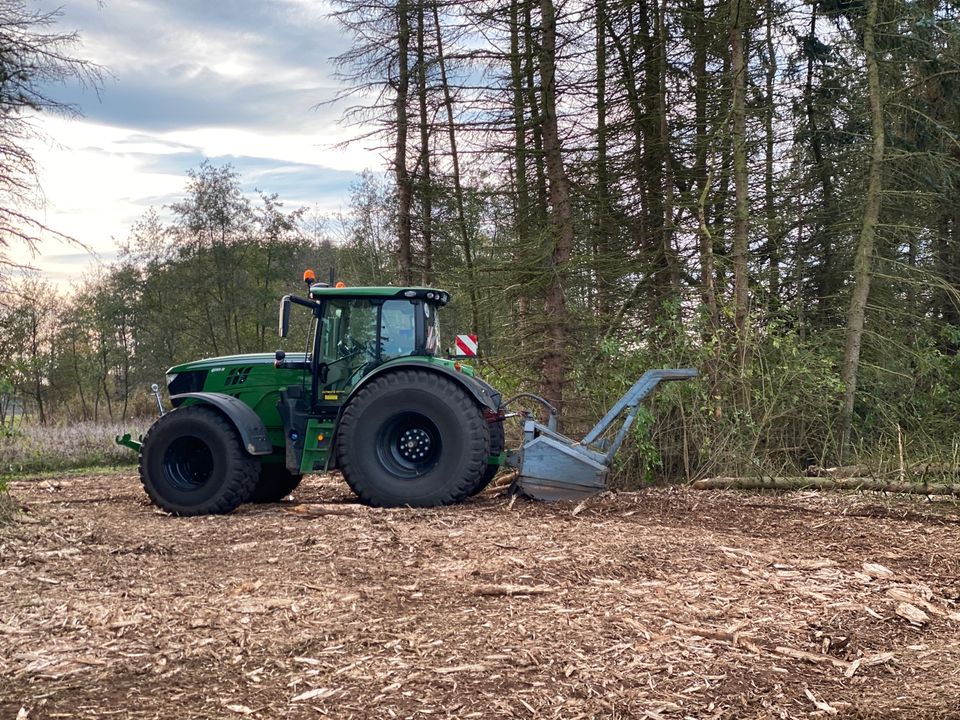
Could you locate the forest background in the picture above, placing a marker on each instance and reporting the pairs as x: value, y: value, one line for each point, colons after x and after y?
x: 766, y: 191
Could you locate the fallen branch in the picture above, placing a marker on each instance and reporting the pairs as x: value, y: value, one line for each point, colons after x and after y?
x: 841, y: 471
x: 865, y: 471
x: 811, y: 657
x: 757, y: 645
x: 807, y: 483
x: 321, y: 509
x: 511, y: 590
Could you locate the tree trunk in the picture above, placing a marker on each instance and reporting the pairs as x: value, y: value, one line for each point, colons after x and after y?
x: 603, y: 262
x: 553, y: 369
x: 426, y: 190
x: 669, y: 254
x: 404, y: 188
x: 642, y: 92
x: 741, y: 215
x: 523, y: 209
x: 821, y: 231
x: 457, y: 186
x: 806, y: 483
x: 35, y: 365
x: 871, y: 213
x: 773, y: 242
x: 79, y: 379
x: 948, y: 267
x: 536, y: 121
x: 708, y: 294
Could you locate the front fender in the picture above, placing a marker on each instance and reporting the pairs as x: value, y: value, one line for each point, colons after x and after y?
x: 252, y: 431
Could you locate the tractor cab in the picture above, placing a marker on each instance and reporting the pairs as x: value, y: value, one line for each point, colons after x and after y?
x: 355, y: 330
x: 367, y: 342
x: 356, y: 334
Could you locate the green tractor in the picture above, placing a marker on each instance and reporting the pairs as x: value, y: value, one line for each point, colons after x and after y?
x: 372, y: 397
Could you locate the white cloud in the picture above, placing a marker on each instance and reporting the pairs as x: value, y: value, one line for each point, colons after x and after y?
x: 233, y: 81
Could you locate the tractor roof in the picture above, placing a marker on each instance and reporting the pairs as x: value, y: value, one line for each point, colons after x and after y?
x: 433, y: 295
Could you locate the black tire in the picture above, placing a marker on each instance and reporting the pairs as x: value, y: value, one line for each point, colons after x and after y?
x: 192, y: 462
x: 275, y: 483
x: 497, y: 444
x: 412, y: 437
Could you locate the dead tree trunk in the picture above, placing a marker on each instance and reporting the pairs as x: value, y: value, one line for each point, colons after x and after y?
x: 404, y: 188
x: 426, y: 184
x: 864, y: 255
x: 741, y: 214
x: 457, y: 185
x: 553, y: 369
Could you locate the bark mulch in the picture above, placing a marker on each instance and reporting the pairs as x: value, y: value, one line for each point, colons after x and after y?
x: 667, y: 603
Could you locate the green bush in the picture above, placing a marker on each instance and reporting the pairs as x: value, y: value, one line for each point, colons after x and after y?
x: 774, y: 413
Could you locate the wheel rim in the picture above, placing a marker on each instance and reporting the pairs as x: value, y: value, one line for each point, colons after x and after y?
x: 408, y: 445
x: 188, y: 463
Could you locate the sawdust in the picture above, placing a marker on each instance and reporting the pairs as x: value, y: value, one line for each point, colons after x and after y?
x: 659, y: 604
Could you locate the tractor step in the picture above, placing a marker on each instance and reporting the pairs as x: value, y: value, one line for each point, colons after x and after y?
x: 554, y: 467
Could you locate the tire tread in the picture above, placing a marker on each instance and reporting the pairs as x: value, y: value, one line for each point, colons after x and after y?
x: 239, y: 486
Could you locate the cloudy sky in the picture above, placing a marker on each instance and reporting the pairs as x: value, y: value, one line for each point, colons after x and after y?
x: 229, y: 80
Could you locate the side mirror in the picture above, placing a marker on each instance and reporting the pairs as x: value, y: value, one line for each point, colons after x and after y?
x: 284, y: 316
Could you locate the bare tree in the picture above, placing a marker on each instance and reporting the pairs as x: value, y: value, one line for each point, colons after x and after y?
x: 34, y: 57
x: 553, y: 371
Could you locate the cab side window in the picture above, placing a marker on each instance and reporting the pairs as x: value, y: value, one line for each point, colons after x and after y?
x: 398, y: 327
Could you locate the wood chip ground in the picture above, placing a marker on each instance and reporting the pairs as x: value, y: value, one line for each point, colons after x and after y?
x: 659, y: 604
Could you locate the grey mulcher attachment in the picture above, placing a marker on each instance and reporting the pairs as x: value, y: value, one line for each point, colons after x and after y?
x: 554, y: 467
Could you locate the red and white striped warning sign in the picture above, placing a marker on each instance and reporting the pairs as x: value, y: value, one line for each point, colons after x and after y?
x: 467, y: 345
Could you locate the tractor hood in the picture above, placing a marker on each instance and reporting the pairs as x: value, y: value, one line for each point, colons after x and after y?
x: 231, y: 360
x: 229, y: 372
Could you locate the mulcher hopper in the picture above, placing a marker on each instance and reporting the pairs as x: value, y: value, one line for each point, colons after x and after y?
x: 554, y: 467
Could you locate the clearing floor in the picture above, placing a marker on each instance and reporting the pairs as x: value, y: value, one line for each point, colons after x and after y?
x: 667, y: 603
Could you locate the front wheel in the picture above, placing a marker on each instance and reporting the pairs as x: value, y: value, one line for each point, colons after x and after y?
x: 412, y: 437
x: 192, y: 462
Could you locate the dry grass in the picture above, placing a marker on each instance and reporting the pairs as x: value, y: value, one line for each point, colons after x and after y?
x: 38, y: 448
x: 7, y: 508
x: 660, y: 604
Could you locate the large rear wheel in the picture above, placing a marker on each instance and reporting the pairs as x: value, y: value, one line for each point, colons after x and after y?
x: 412, y: 437
x: 193, y: 463
x: 497, y: 444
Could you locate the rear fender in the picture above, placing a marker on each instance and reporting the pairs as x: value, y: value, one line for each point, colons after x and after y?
x: 486, y: 396
x: 252, y: 431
